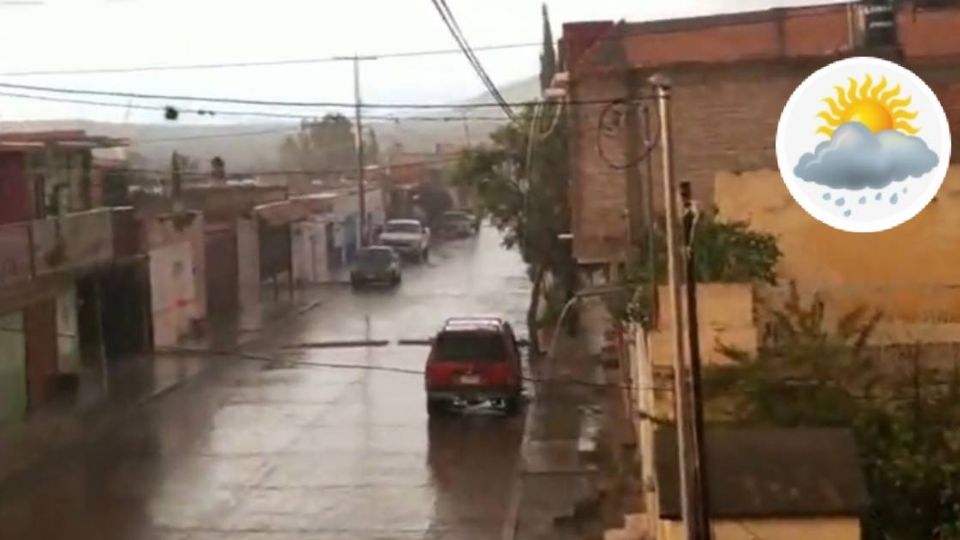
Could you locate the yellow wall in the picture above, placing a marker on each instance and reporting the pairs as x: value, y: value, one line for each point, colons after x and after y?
x: 725, y: 314
x: 778, y: 529
x: 910, y: 272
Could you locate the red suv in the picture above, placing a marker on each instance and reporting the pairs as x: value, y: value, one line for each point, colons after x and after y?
x: 474, y: 360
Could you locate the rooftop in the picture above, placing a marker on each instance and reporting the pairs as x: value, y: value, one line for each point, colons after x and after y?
x: 769, y: 472
x: 32, y: 140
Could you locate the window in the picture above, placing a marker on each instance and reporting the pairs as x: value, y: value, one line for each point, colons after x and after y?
x: 470, y: 347
x: 403, y: 227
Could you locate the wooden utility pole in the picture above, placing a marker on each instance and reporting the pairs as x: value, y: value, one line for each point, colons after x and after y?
x: 358, y: 121
x: 676, y: 279
x: 693, y: 332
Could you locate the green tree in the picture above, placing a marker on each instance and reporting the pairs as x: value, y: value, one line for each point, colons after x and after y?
x: 325, y: 146
x: 520, y: 182
x: 726, y: 252
x: 906, y: 421
x: 548, y: 58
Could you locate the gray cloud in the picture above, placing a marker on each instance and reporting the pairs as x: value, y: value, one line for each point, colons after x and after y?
x: 856, y: 158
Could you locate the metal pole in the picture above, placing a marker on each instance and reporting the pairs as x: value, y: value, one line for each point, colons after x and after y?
x: 466, y: 129
x: 699, y: 440
x: 675, y: 274
x: 358, y: 120
x: 649, y: 222
x: 361, y: 184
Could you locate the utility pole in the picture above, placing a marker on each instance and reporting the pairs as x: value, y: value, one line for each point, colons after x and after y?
x: 693, y: 332
x: 676, y: 279
x: 466, y: 129
x: 358, y: 120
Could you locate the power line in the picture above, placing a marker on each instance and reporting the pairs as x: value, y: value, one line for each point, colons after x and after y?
x: 451, y: 22
x: 254, y: 63
x: 219, y: 112
x: 295, y: 104
x: 304, y: 172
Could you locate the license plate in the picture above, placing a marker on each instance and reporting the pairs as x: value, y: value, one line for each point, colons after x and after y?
x: 469, y: 379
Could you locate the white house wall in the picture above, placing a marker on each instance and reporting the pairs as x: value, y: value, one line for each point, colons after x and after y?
x: 172, y: 291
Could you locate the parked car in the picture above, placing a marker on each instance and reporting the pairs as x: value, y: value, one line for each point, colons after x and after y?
x: 458, y: 224
x: 376, y: 264
x: 408, y: 236
x: 474, y: 360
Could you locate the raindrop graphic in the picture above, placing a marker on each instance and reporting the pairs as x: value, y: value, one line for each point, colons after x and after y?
x: 826, y: 196
x: 877, y: 198
x: 894, y: 199
x: 847, y: 213
x: 840, y: 202
x: 863, y: 200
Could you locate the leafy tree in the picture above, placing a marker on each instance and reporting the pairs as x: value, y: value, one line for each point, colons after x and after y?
x: 906, y: 421
x: 327, y: 145
x: 521, y: 186
x: 548, y: 58
x: 726, y: 252
x: 434, y: 199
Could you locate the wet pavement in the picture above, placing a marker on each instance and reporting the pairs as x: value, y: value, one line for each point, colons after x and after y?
x: 303, y: 442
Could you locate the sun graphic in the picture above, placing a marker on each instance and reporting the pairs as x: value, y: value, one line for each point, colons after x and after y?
x: 872, y: 105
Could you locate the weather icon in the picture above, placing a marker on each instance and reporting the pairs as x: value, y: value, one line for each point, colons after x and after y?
x: 863, y: 145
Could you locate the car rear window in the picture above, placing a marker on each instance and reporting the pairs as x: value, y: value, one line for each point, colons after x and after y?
x: 469, y: 346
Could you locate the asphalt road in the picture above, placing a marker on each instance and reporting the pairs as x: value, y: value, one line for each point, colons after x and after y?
x: 287, y: 450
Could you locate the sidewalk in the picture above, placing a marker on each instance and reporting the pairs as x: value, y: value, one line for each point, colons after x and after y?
x: 570, y: 479
x: 58, y: 430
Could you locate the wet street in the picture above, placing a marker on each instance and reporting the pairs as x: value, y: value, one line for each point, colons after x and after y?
x: 295, y: 449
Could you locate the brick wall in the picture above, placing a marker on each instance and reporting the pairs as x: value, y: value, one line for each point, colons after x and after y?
x: 598, y: 193
x: 815, y: 31
x: 732, y: 75
x: 726, y: 119
x: 929, y: 33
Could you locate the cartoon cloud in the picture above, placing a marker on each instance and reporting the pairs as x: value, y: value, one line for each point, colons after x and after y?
x: 856, y: 158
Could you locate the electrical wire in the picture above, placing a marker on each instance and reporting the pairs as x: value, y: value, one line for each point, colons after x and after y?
x: 380, y: 368
x: 299, y: 172
x: 491, y: 86
x: 220, y: 112
x: 650, y: 146
x: 616, y: 36
x: 299, y: 104
x: 262, y: 63
x: 450, y: 21
x: 553, y: 124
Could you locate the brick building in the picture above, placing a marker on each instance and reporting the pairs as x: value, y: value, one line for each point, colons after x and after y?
x: 731, y: 76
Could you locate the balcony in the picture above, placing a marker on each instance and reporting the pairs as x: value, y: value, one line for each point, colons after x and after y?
x: 69, y: 243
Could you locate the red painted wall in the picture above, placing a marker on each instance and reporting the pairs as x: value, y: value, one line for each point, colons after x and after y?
x: 15, y: 199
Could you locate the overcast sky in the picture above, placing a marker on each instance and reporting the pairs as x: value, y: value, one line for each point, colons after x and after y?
x: 90, y: 34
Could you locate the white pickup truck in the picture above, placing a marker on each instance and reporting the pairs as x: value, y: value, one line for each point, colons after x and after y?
x: 408, y: 237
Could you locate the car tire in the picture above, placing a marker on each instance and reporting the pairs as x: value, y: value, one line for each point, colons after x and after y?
x: 511, y: 405
x: 397, y: 278
x: 436, y: 407
x: 355, y: 283
x: 426, y: 255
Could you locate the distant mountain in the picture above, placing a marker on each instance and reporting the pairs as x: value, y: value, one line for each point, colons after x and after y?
x: 254, y: 146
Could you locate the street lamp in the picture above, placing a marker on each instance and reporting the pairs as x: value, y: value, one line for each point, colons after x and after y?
x: 586, y: 293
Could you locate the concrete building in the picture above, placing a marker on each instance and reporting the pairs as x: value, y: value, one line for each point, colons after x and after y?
x: 71, y: 274
x: 731, y: 76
